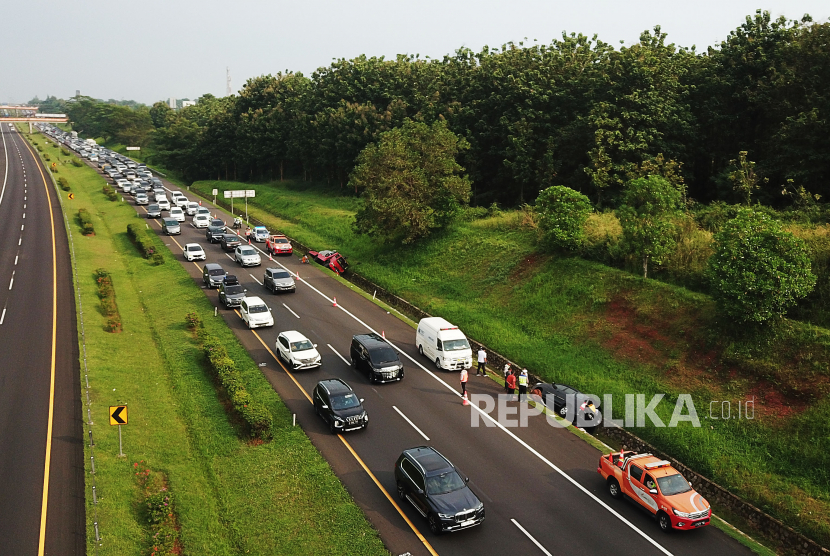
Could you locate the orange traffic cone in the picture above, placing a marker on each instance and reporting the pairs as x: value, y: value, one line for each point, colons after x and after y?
x: 269, y: 256
x: 464, y: 400
x: 200, y: 202
x: 298, y: 275
x: 334, y: 303
x: 383, y: 333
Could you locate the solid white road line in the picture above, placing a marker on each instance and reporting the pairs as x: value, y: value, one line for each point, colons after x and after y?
x: 523, y: 530
x: 6, y: 174
x: 338, y: 355
x: 289, y: 309
x: 3, y: 316
x: 411, y: 423
x: 228, y: 255
x: 260, y: 283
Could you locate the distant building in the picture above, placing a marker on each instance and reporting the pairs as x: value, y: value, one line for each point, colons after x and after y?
x: 172, y: 103
x: 77, y: 92
x: 186, y: 103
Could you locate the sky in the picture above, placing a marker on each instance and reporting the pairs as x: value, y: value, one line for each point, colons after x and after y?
x: 149, y: 50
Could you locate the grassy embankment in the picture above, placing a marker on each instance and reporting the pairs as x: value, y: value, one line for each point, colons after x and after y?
x: 605, y: 331
x: 231, y: 496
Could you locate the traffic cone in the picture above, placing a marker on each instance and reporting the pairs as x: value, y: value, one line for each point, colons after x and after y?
x: 249, y: 240
x: 270, y: 258
x: 334, y: 303
x: 298, y: 275
x: 464, y: 400
x: 383, y: 333
x: 200, y: 202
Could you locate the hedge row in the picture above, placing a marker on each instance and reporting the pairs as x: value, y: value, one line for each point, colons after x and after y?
x: 144, y: 243
x: 106, y: 292
x: 63, y: 183
x: 258, y: 418
x: 86, y: 222
x: 110, y: 192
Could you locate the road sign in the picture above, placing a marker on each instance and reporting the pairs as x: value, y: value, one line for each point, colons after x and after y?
x: 71, y: 196
x: 118, y: 415
x: 215, y: 192
x: 133, y: 148
x: 250, y: 193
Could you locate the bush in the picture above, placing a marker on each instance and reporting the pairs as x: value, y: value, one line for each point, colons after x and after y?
x: 145, y: 244
x: 110, y: 192
x: 256, y: 415
x: 562, y: 213
x: 63, y: 183
x: 77, y: 163
x: 47, y: 158
x: 109, y: 307
x: 758, y: 270
x: 86, y: 222
x: 64, y: 152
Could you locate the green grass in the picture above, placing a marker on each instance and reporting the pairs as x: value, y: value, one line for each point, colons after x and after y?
x: 604, y: 331
x: 233, y: 497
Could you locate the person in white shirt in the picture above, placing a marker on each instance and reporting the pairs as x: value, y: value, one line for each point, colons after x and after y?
x: 482, y: 360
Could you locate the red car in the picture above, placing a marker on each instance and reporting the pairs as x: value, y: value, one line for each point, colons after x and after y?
x: 332, y: 259
x: 278, y: 244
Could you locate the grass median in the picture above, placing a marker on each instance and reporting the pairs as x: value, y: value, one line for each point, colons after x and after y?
x: 231, y: 496
x: 603, y: 331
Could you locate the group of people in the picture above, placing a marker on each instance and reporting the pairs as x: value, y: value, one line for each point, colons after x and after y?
x: 512, y: 379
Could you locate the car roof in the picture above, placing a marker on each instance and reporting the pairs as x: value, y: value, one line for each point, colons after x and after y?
x: 430, y: 459
x: 254, y: 300
x: 335, y: 386
x: 170, y: 221
x: 371, y: 340
x: 211, y: 266
x: 192, y: 244
x: 293, y: 335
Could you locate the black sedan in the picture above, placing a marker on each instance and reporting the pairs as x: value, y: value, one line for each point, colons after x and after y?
x: 566, y: 401
x: 215, y: 231
x: 339, y: 406
x: 229, y: 242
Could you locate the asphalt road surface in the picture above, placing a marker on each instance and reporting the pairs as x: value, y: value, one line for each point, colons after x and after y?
x: 539, y: 484
x: 41, y: 425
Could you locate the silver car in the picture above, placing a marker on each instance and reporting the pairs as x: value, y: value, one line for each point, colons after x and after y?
x: 247, y: 256
x: 279, y: 280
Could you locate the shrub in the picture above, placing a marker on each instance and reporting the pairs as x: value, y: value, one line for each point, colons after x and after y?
x: 109, y: 307
x: 256, y: 415
x: 47, y: 158
x: 64, y: 152
x: 145, y: 244
x: 63, y: 183
x: 562, y: 213
x: 39, y: 148
x: 758, y: 270
x: 54, y: 145
x: 77, y: 163
x: 160, y: 510
x: 110, y: 192
x: 688, y: 261
x: 86, y: 222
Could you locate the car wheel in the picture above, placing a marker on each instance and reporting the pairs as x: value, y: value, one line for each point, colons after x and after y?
x: 353, y: 363
x: 317, y: 411
x: 664, y: 522
x: 614, y: 488
x: 437, y: 363
x: 563, y: 411
x: 434, y: 524
x: 421, y: 349
x: 401, y: 491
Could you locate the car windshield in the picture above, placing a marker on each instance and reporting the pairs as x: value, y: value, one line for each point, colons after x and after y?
x: 456, y: 345
x: 233, y: 290
x: 301, y: 345
x: 383, y: 355
x: 193, y: 248
x: 216, y: 222
x: 229, y: 238
x: 346, y: 401
x: 216, y: 272
x: 153, y: 207
x: 281, y: 240
x: 444, y: 483
x: 281, y: 274
x: 247, y: 251
x: 673, y: 484
x: 168, y: 222
x: 258, y: 309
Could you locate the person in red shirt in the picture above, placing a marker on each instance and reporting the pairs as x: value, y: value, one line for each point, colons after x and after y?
x: 510, y: 383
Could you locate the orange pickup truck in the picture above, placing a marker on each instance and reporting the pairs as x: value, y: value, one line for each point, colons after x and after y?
x: 656, y: 486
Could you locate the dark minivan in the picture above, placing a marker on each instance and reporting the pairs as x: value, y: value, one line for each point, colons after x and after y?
x: 339, y: 406
x: 438, y: 490
x: 213, y: 275
x: 373, y: 355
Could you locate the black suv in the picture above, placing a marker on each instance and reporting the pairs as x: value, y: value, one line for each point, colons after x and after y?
x: 437, y: 490
x: 339, y: 406
x: 229, y: 242
x: 215, y: 231
x: 373, y: 355
x: 231, y: 293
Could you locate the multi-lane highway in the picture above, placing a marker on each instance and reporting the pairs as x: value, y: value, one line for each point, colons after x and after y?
x: 41, y: 428
x: 539, y: 484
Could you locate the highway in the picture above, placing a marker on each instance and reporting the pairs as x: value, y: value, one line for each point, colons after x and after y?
x: 41, y: 429
x: 539, y: 484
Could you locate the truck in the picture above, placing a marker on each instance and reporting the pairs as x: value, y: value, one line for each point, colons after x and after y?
x: 443, y: 343
x: 657, y: 487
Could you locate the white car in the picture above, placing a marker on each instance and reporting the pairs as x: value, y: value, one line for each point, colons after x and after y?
x: 177, y: 213
x: 255, y: 313
x: 163, y: 204
x: 297, y: 351
x: 191, y: 208
x: 174, y: 195
x: 203, y: 210
x: 123, y: 184
x: 201, y: 221
x: 247, y: 256
x: 180, y: 201
x: 194, y: 252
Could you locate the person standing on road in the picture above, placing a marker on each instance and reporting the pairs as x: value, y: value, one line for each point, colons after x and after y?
x: 522, y: 384
x: 464, y: 377
x: 482, y: 361
x: 510, y: 384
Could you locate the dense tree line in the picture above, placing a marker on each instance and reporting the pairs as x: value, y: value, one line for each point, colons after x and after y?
x: 576, y: 112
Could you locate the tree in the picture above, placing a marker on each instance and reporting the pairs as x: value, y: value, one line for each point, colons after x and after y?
x: 647, y: 205
x: 744, y: 178
x: 411, y: 182
x: 758, y: 270
x: 562, y: 215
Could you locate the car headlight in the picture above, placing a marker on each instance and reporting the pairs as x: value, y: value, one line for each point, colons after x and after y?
x: 681, y: 514
x: 446, y: 516
x: 365, y: 416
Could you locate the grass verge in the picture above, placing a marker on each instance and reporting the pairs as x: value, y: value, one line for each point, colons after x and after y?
x: 606, y: 332
x: 232, y: 496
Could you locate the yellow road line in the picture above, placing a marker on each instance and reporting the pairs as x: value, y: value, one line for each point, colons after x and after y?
x: 45, y: 502
x: 351, y: 450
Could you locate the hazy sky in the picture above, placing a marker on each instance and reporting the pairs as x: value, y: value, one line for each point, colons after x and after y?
x: 147, y: 50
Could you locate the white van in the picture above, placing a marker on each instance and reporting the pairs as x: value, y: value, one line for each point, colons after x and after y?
x: 443, y: 343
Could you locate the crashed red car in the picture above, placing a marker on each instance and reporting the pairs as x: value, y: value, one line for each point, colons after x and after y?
x: 331, y: 259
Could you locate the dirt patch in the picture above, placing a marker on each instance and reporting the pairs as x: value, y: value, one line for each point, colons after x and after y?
x: 527, y: 266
